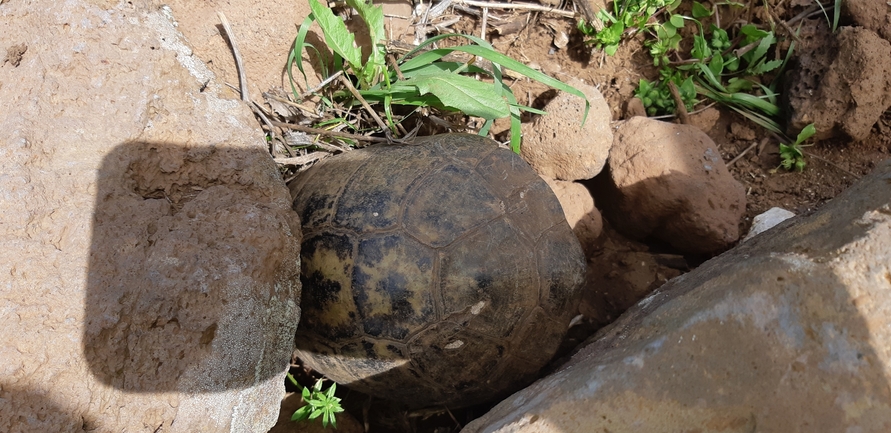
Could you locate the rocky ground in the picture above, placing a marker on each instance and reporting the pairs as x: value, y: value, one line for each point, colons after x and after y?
x: 115, y: 107
x: 624, y: 269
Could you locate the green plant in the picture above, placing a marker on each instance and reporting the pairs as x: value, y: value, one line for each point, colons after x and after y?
x: 625, y: 15
x: 726, y: 65
x: 656, y: 96
x: 318, y: 403
x: 791, y: 154
x: 835, y: 16
x: 421, y: 78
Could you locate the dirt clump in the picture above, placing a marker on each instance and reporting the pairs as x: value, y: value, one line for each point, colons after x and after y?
x: 871, y: 14
x: 843, y: 85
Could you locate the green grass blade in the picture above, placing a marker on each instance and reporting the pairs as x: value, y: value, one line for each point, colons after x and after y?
x: 835, y: 15
x: 516, y: 132
x: 295, y: 57
x: 484, y: 131
x: 443, y: 67
x: 760, y: 119
x: 529, y: 109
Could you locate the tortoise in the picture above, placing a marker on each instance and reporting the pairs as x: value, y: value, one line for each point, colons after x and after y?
x: 438, y: 273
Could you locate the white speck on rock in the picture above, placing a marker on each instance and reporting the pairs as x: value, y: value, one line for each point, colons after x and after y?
x: 477, y: 308
x: 454, y: 345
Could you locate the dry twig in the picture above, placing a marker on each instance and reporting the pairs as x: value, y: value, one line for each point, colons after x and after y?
x: 349, y: 85
x: 522, y: 6
x: 242, y: 78
x: 680, y: 109
x: 741, y: 154
x: 301, y: 160
x: 326, y: 132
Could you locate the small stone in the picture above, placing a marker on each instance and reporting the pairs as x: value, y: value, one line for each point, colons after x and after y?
x: 558, y: 146
x: 767, y: 220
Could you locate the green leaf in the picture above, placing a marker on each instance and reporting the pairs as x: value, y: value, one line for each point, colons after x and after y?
x: 731, y: 63
x: 807, y: 132
x: 799, y: 164
x: 700, y: 48
x: 374, y: 19
x: 301, y: 414
x: 473, y: 97
x: 753, y: 33
x: 677, y: 21
x: 507, y: 62
x: 716, y: 65
x: 516, y: 134
x: 761, y: 50
x: 295, y: 56
x: 337, y: 36
x: 736, y: 84
x: 687, y: 90
x: 764, y: 67
x: 700, y: 11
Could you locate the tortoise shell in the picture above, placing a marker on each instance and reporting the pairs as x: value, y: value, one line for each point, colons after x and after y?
x: 439, y: 273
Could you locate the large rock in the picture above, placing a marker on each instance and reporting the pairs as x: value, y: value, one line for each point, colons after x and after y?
x: 558, y: 146
x: 842, y: 86
x: 264, y: 31
x: 147, y: 249
x: 669, y: 181
x: 788, y: 332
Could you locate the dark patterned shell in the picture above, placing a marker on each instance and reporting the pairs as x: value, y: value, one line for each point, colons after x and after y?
x: 441, y: 273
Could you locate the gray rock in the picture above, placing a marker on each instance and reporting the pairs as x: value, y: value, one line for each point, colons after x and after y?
x: 789, y: 332
x: 148, y: 253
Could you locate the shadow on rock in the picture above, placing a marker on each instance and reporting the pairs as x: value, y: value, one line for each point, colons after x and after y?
x: 193, y: 274
x: 23, y: 410
x: 787, y: 332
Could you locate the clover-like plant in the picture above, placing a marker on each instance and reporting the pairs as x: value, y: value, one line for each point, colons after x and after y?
x: 791, y: 155
x: 318, y: 403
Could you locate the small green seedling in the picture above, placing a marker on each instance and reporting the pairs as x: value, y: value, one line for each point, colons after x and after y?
x: 318, y: 403
x: 792, y: 156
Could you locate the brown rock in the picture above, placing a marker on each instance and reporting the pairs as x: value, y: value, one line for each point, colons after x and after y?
x: 620, y: 274
x: 788, y: 332
x: 742, y: 131
x: 558, y: 146
x: 668, y: 181
x: 149, y: 251
x: 849, y: 96
x: 706, y: 119
x: 635, y: 107
x: 578, y: 206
